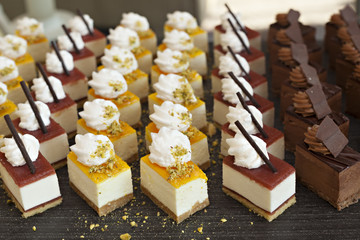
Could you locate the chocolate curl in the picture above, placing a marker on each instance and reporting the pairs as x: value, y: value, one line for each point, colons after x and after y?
x: 294, y: 33
x: 252, y: 99
x: 299, y: 52
x: 310, y: 73
x: 238, y: 62
x: 70, y: 38
x: 46, y: 79
x: 318, y: 100
x: 53, y: 44
x: 255, y: 146
x: 33, y: 107
x: 20, y: 144
x: 239, y: 37
x: 85, y: 22
x: 235, y: 18
x: 253, y: 119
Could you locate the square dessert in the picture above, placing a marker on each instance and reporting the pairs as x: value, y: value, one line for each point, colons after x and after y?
x: 199, y: 36
x: 85, y: 61
x: 346, y: 63
x: 96, y: 42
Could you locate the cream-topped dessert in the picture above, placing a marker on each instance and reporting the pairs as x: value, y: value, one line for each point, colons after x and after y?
x: 6, y: 107
x: 98, y: 175
x: 168, y: 169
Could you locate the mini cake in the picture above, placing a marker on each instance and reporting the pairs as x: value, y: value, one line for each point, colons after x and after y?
x: 32, y: 192
x: 110, y: 85
x: 326, y: 165
x: 266, y: 190
x: 93, y: 38
x: 15, y: 48
x: 170, y: 179
x: 184, y: 21
x: 6, y: 107
x: 98, y: 175
x: 84, y: 59
x: 101, y: 117
x: 177, y: 117
x: 346, y: 62
x: 352, y: 93
x: 33, y: 32
x: 123, y: 61
x: 176, y: 62
x: 177, y: 89
x: 128, y: 39
x: 140, y: 24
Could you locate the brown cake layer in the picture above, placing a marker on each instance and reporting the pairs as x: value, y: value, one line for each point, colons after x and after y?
x: 62, y: 104
x: 255, y: 79
x: 249, y: 32
x: 352, y: 93
x: 75, y: 75
x: 84, y: 53
x: 97, y: 35
x: 255, y: 53
x: 344, y: 70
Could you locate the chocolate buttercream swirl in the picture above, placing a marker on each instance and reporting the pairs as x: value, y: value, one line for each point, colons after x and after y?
x: 314, y: 144
x: 297, y: 78
x: 302, y: 104
x: 343, y: 34
x: 282, y: 20
x: 285, y: 56
x: 350, y: 52
x: 356, y: 72
x: 282, y: 38
x: 337, y: 20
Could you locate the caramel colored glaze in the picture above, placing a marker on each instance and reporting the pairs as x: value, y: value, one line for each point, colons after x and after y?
x: 194, y: 52
x: 97, y: 177
x: 343, y: 35
x: 189, y: 107
x: 255, y: 79
x: 22, y: 175
x: 249, y: 32
x: 313, y: 142
x: 350, y: 53
x: 298, y: 78
x: 7, y: 107
x: 62, y: 104
x: 282, y: 38
x: 32, y: 39
x: 84, y: 53
x: 337, y: 20
x: 14, y: 83
x: 54, y: 130
x: 263, y: 175
x: 285, y: 56
x: 26, y: 58
x: 281, y: 19
x: 265, y: 104
x: 74, y: 76
x: 177, y: 182
x: 356, y: 73
x: 273, y: 133
x: 131, y: 98
x: 97, y: 35
x: 255, y: 53
x: 302, y: 104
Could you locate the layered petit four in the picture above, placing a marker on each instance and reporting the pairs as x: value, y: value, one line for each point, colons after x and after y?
x: 177, y: 89
x: 15, y: 48
x: 184, y: 21
x: 7, y: 107
x: 124, y: 61
x: 33, y: 32
x: 170, y: 179
x: 101, y: 117
x: 352, y: 93
x: 141, y: 25
x: 178, y: 117
x: 326, y: 165
x: 98, y: 175
x: 268, y: 190
x: 110, y: 85
x: 93, y: 38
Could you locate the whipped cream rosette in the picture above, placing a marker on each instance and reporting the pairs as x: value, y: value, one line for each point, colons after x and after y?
x: 135, y: 22
x: 230, y: 88
x: 42, y: 91
x: 181, y: 20
x: 124, y: 38
x: 178, y: 40
x: 29, y: 27
x: 27, y: 116
x: 229, y: 38
x: 238, y: 113
x: 228, y: 64
x: 8, y: 69
x: 12, y: 46
x: 121, y: 60
x: 172, y: 61
x: 54, y: 65
x: 65, y: 43
x: 76, y: 24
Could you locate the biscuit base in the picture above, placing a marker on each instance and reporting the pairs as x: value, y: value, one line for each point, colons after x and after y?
x: 35, y: 210
x: 267, y: 215
x: 204, y: 166
x: 178, y: 219
x: 59, y: 164
x: 132, y: 159
x: 109, y: 207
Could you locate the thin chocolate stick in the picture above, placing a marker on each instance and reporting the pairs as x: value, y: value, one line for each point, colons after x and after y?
x: 252, y: 99
x: 85, y: 22
x: 238, y: 62
x: 257, y: 124
x: 70, y: 38
x: 255, y: 146
x: 33, y: 106
x: 20, y: 144
x: 44, y: 75
x: 53, y: 44
x: 235, y: 18
x: 239, y: 37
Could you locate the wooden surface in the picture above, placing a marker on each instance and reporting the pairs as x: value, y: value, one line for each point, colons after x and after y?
x: 310, y: 218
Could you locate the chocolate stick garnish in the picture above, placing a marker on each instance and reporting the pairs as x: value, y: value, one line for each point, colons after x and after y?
x: 46, y: 79
x: 235, y: 18
x: 33, y: 107
x: 85, y: 22
x: 257, y: 124
x: 239, y: 37
x: 255, y: 146
x: 53, y: 44
x: 20, y: 144
x: 241, y: 86
x: 238, y: 62
x: 70, y: 38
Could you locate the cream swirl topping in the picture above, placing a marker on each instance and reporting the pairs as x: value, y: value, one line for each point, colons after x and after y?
x: 238, y: 113
x: 230, y: 88
x: 8, y: 69
x: 178, y: 40
x: 181, y: 20
x: 172, y: 61
x: 12, y: 46
x: 108, y: 83
x: 65, y: 43
x: 121, y: 60
x: 230, y: 39
x: 42, y: 91
x: 28, y: 120
x: 3, y: 93
x: 76, y: 24
x: 124, y: 38
x: 54, y: 65
x: 228, y: 64
x: 29, y: 27
x: 227, y: 15
x: 135, y: 22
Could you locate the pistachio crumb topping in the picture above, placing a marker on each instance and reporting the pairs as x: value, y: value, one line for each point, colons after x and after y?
x: 179, y: 170
x: 101, y: 149
x: 33, y: 27
x: 122, y: 99
x: 2, y: 92
x: 138, y: 50
x: 190, y: 30
x: 188, y: 74
x: 131, y: 77
x: 114, y: 128
x: 6, y: 71
x: 117, y: 86
x: 105, y: 168
x: 191, y: 132
x: 126, y: 63
x: 182, y: 60
x: 184, y: 93
x: 109, y: 112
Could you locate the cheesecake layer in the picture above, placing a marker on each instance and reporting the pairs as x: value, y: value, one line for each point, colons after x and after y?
x: 85, y: 61
x: 8, y: 107
x: 15, y: 92
x: 96, y: 43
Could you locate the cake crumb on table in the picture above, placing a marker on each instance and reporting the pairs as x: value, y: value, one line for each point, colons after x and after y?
x: 133, y: 224
x: 200, y: 230
x: 125, y: 236
x: 223, y: 220
x: 34, y: 228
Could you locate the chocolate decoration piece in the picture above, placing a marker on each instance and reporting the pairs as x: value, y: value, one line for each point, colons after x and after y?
x: 318, y: 100
x: 255, y: 146
x: 294, y: 33
x: 33, y: 106
x: 356, y: 40
x: 252, y: 99
x: 253, y: 119
x: 310, y: 74
x: 353, y: 28
x: 331, y: 136
x: 293, y: 16
x: 46, y: 79
x: 348, y: 14
x: 239, y: 37
x: 238, y: 62
x: 20, y: 144
x: 53, y: 44
x: 299, y: 52
x: 85, y: 22
x: 70, y: 38
x: 235, y: 18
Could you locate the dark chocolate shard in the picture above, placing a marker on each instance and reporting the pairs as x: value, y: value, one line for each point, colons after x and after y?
x: 294, y: 33
x: 353, y: 29
x: 310, y: 73
x: 348, y: 14
x: 318, y: 100
x: 293, y: 16
x: 356, y: 40
x: 299, y: 52
x: 331, y: 136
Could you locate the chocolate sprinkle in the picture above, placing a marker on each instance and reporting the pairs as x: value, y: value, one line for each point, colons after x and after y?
x: 318, y: 100
x: 293, y: 16
x: 299, y: 52
x: 235, y: 18
x: 70, y: 38
x: 53, y: 44
x: 310, y: 73
x: 348, y: 14
x: 85, y: 22
x: 46, y: 79
x: 239, y: 37
x: 252, y: 99
x: 294, y: 33
x: 238, y: 62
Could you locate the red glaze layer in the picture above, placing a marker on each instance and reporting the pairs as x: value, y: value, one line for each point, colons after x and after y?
x: 62, y: 104
x: 255, y: 79
x: 97, y: 35
x: 249, y: 32
x: 255, y: 53
x: 84, y: 53
x: 74, y: 76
